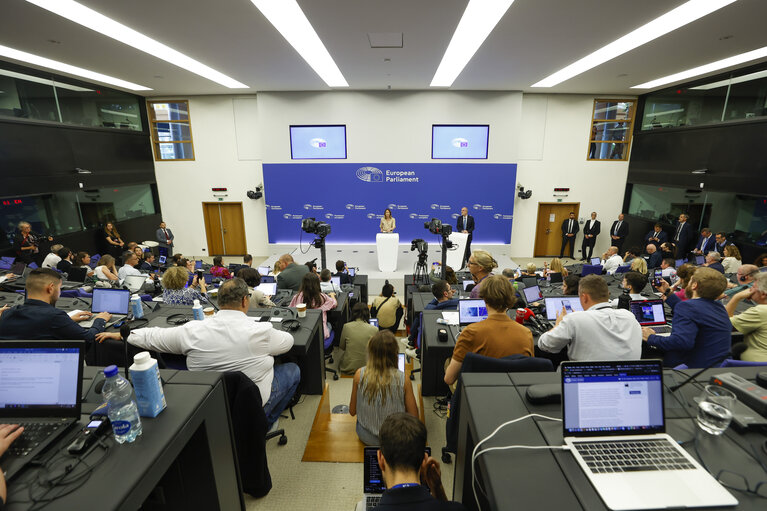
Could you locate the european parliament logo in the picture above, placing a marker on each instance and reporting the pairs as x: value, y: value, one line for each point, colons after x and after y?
x: 370, y: 175
x: 460, y: 143
x: 318, y: 143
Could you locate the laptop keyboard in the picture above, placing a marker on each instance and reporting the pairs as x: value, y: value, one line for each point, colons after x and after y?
x: 371, y: 501
x: 661, y: 329
x: 631, y: 456
x: 34, y: 433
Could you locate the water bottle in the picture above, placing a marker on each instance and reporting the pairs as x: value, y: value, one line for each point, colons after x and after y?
x: 136, y: 307
x: 147, y: 384
x: 121, y: 406
x: 197, y: 311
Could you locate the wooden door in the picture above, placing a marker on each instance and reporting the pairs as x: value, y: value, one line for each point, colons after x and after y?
x: 548, y: 234
x: 212, y: 215
x: 233, y: 226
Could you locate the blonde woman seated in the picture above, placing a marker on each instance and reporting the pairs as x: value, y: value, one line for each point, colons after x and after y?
x: 639, y: 264
x: 380, y: 389
x: 354, y: 339
x: 557, y: 267
x: 529, y: 270
x: 732, y: 260
x: 173, y: 291
x: 106, y: 269
x: 481, y: 266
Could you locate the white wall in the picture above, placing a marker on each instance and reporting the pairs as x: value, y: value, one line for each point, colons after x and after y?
x: 547, y: 135
x: 553, y: 154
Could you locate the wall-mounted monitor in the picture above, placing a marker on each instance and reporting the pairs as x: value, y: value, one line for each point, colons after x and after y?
x: 459, y: 141
x: 318, y: 142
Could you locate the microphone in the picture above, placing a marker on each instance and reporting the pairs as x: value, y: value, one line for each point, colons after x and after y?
x: 678, y: 386
x: 125, y: 333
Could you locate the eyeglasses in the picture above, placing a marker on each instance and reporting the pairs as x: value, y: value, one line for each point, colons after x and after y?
x: 738, y: 482
x: 473, y: 263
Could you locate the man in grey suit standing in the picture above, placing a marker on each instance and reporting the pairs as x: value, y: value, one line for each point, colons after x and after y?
x: 165, y: 237
x: 292, y: 274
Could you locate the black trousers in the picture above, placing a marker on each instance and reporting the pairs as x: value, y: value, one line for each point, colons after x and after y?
x: 466, y: 253
x: 618, y: 243
x: 588, y: 243
x: 565, y: 241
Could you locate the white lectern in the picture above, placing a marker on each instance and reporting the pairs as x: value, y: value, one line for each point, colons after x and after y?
x: 455, y: 254
x: 387, y: 246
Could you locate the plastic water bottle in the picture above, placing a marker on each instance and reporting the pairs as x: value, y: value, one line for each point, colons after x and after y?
x: 146, y: 382
x: 121, y: 406
x: 136, y: 308
x: 197, y: 311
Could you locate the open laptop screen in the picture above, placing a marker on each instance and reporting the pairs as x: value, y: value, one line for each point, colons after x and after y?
x: 374, y: 482
x: 532, y: 294
x: 351, y: 271
x: 596, y: 260
x: 555, y: 304
x: 612, y: 398
x: 649, y: 312
x: 466, y: 284
x: 471, y: 311
x: 40, y: 378
x: 700, y: 260
x: 336, y: 281
x: 113, y: 301
x: 263, y: 270
x: 268, y: 288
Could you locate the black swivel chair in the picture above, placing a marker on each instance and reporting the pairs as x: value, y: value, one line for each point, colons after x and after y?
x: 474, y: 363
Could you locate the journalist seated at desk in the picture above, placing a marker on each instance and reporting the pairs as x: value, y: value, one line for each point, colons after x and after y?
x: 354, y: 339
x: 701, y: 334
x: 252, y: 278
x: 291, y: 274
x: 38, y: 317
x: 752, y: 322
x: 413, y: 479
x: 497, y: 336
x: 342, y: 273
x: 174, y: 291
x: 231, y: 341
x: 599, y: 332
x: 633, y: 282
x: 443, y: 300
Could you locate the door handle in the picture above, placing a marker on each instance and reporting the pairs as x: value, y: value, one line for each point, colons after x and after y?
x: 224, y: 231
x: 548, y: 231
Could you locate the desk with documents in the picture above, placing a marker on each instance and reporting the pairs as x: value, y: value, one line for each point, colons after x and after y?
x: 543, y: 479
x: 186, y: 452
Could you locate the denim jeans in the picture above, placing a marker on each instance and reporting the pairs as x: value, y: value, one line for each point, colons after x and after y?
x: 284, y: 385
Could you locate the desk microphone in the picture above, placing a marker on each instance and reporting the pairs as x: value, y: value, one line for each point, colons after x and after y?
x: 125, y: 333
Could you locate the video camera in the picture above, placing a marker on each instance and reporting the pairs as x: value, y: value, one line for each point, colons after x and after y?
x: 435, y: 226
x: 420, y: 245
x: 312, y: 226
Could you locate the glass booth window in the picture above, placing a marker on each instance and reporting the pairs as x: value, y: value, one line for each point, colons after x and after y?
x: 171, y: 130
x: 611, y: 127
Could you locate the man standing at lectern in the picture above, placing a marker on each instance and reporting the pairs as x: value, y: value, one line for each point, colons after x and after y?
x: 465, y: 224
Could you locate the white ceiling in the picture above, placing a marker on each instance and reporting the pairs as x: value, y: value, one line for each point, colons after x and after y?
x: 534, y: 39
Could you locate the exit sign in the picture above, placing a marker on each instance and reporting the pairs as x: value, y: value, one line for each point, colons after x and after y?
x: 218, y: 189
x: 561, y: 190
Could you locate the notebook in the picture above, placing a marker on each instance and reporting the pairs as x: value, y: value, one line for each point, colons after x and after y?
x: 471, y: 310
x: 373, y: 482
x: 596, y: 260
x: 532, y: 294
x: 40, y: 389
x: 554, y: 304
x: 652, y: 314
x: 614, y: 424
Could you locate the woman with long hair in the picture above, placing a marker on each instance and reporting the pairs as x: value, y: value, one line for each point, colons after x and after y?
x: 310, y: 294
x: 380, y: 389
x: 218, y: 270
x: 732, y: 259
x: 556, y: 266
x: 114, y: 243
x: 106, y: 269
x: 388, y: 224
x: 638, y: 264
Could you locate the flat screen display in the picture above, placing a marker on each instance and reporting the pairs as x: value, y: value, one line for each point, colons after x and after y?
x: 456, y: 142
x: 318, y: 142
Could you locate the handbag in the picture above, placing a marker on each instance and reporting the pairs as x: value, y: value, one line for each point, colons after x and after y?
x: 374, y: 310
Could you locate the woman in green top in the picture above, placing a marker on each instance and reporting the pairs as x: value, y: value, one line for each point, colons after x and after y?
x: 354, y: 339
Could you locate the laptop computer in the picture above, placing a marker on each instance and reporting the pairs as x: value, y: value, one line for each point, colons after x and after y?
x: 113, y: 301
x: 700, y: 260
x: 652, y: 314
x: 336, y: 281
x: 530, y: 281
x: 679, y: 262
x: 471, y: 310
x: 18, y: 268
x: 555, y: 278
x: 532, y: 294
x: 268, y: 288
x: 134, y: 282
x: 614, y: 424
x: 264, y: 270
x: 40, y: 389
x: 596, y: 260
x: 554, y: 304
x: 373, y: 483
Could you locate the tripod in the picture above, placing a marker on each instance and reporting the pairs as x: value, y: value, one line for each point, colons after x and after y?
x: 320, y: 243
x: 420, y: 275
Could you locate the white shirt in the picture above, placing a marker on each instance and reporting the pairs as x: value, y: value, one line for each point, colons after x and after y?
x: 600, y: 333
x: 669, y: 272
x: 125, y: 270
x: 329, y: 287
x: 612, y: 263
x: 99, y: 271
x: 731, y: 264
x: 51, y: 260
x: 229, y: 341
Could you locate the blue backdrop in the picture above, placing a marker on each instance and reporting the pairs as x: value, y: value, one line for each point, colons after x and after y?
x: 351, y: 197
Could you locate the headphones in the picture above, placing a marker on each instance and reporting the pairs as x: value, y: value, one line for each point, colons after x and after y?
x: 741, y: 277
x: 289, y: 325
x: 178, y: 319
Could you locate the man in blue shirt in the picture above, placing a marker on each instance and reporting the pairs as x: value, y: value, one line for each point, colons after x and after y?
x: 443, y: 300
x: 701, y: 329
x: 38, y: 318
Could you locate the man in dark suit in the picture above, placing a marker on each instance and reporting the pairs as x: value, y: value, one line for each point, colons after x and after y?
x: 706, y: 242
x: 344, y: 277
x: 721, y: 242
x: 570, y: 228
x: 683, y: 236
x: 292, y: 274
x: 465, y: 224
x: 591, y: 230
x: 657, y: 237
x: 165, y: 237
x: 653, y: 256
x: 618, y: 232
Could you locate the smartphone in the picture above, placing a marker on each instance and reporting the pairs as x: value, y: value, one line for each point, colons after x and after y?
x: 568, y: 307
x: 373, y: 321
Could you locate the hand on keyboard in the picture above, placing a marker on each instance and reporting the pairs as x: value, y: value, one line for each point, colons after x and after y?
x: 8, y: 433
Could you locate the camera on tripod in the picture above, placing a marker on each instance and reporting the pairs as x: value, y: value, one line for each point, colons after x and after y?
x: 312, y: 226
x: 422, y: 247
x: 435, y: 226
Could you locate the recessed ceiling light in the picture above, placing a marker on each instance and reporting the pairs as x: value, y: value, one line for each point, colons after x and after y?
x: 478, y: 20
x: 731, y: 81
x: 290, y: 21
x: 93, y: 20
x: 65, y: 68
x: 676, y: 18
x: 706, y: 68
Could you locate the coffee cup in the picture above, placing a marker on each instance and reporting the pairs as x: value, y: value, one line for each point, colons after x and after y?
x: 208, y: 311
x: 301, y: 308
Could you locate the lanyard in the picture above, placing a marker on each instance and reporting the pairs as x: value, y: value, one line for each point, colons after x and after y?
x: 404, y: 485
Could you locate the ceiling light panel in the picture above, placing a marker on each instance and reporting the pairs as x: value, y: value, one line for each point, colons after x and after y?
x: 66, y: 68
x: 706, y: 68
x: 672, y: 20
x: 731, y: 81
x: 478, y: 20
x: 93, y: 20
x: 290, y: 21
